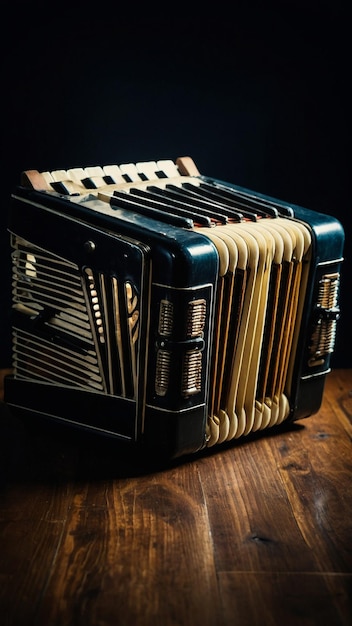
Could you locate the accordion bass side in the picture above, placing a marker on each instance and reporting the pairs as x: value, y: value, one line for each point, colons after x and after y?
x: 166, y: 308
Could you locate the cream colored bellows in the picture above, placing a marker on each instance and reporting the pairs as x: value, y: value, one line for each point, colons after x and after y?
x: 250, y: 371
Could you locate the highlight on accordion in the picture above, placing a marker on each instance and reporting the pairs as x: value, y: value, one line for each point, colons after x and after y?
x: 164, y: 307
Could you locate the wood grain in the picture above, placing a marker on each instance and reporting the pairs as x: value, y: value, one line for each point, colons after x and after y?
x: 257, y: 532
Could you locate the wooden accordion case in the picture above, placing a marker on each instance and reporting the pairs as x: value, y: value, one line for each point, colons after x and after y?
x: 166, y: 308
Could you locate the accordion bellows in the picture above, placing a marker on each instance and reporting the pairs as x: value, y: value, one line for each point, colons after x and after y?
x: 157, y: 305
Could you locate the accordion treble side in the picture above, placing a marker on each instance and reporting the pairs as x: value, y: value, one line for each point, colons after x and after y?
x: 163, y: 307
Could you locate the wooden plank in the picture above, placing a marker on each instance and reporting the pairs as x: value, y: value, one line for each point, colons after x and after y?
x: 282, y: 598
x: 280, y: 496
x: 338, y: 393
x: 32, y: 520
x: 142, y: 554
x: 250, y: 513
x: 257, y: 532
x: 317, y: 475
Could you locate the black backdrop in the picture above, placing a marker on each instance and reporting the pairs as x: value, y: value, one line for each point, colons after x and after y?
x: 256, y: 97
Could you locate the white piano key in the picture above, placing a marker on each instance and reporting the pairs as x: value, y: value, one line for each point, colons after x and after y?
x: 71, y: 188
x: 115, y: 173
x: 94, y: 171
x: 59, y: 175
x: 169, y: 168
x: 148, y: 168
x: 77, y: 174
x: 97, y: 181
x: 47, y: 177
x: 131, y: 171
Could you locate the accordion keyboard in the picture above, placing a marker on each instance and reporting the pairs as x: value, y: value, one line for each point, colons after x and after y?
x: 80, y: 181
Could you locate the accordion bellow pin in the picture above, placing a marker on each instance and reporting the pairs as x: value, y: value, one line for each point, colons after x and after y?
x: 167, y: 308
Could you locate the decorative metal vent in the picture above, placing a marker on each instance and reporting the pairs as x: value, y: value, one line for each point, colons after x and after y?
x: 73, y: 329
x: 324, y: 334
x: 162, y: 376
x: 53, y: 340
x: 166, y: 318
x: 191, y: 374
x: 196, y: 318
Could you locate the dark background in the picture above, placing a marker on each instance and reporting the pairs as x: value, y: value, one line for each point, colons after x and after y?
x: 256, y: 97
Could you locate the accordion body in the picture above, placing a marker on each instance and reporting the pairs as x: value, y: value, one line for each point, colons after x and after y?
x: 166, y: 308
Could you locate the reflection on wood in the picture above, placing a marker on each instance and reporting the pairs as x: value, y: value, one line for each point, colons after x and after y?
x: 256, y: 532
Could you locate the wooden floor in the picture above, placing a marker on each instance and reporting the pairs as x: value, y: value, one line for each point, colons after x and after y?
x: 259, y: 532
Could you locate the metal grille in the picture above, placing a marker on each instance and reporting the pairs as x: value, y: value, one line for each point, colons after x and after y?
x: 324, y: 333
x: 52, y: 338
x: 73, y: 329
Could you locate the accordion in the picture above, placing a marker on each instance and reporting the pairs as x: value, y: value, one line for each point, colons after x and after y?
x: 166, y: 308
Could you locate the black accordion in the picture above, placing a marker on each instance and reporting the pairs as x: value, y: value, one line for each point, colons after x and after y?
x: 166, y: 308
